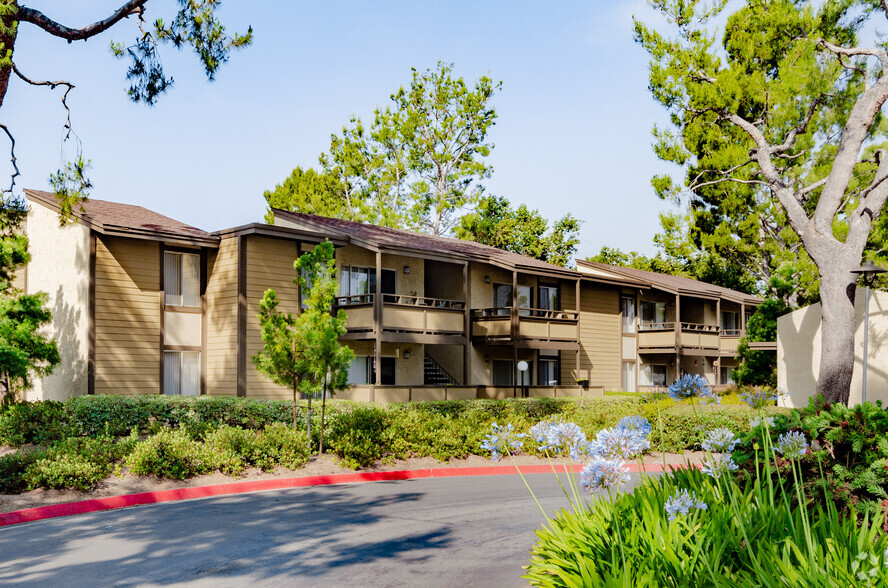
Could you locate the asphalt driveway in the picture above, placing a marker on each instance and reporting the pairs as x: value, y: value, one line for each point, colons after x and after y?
x: 472, y: 531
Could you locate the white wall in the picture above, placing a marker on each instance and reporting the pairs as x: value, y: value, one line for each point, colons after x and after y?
x: 60, y: 267
x: 798, y: 351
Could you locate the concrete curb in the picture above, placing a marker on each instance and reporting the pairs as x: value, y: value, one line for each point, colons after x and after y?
x: 114, y: 502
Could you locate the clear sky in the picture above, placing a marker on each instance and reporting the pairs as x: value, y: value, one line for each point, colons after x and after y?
x: 573, y: 133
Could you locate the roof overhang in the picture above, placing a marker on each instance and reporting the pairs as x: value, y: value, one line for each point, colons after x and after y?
x: 276, y: 232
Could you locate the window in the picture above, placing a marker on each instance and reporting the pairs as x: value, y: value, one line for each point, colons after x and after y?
x: 730, y: 323
x: 726, y: 375
x: 181, y: 279
x: 652, y: 375
x: 549, y: 369
x: 627, y: 307
x: 181, y: 373
x: 549, y: 299
x: 503, y: 373
x: 629, y: 377
x: 362, y: 372
x: 653, y: 313
x: 354, y: 281
x: 502, y: 298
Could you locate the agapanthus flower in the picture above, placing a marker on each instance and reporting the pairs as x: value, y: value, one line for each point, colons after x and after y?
x: 792, y: 444
x: 766, y: 422
x: 718, y: 464
x: 559, y: 437
x: 636, y: 423
x: 604, y: 474
x: 619, y: 443
x: 655, y: 394
x: 886, y: 557
x: 720, y: 441
x: 682, y: 503
x: 709, y: 396
x: 690, y: 386
x: 759, y: 397
x: 502, y: 439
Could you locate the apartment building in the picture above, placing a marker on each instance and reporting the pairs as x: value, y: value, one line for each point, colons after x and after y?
x: 144, y: 304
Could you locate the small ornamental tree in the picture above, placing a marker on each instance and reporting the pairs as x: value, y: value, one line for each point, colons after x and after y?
x: 282, y: 357
x: 328, y: 360
x: 25, y: 351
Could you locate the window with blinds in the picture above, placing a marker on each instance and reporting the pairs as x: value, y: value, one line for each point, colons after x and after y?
x: 181, y: 373
x: 181, y: 279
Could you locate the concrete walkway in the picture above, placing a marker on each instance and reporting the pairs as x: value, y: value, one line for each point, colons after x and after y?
x: 431, y: 532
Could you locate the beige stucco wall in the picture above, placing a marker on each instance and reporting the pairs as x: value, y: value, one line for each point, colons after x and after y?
x: 404, y: 283
x: 798, y: 351
x: 60, y: 267
x: 408, y: 372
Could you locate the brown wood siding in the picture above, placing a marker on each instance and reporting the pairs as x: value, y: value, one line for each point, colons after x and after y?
x: 128, y: 321
x: 269, y: 266
x: 221, y: 343
x: 599, y: 337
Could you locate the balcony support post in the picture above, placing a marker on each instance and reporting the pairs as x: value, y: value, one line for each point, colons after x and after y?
x: 467, y: 328
x: 377, y: 326
x: 513, y: 330
x: 577, y: 308
x: 742, y: 319
x: 677, y: 336
x: 718, y: 318
x: 298, y: 285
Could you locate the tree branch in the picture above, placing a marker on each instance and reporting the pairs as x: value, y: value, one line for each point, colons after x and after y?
x: 800, y: 194
x: 52, y: 86
x: 791, y: 137
x: 881, y: 54
x: 15, y: 168
x: 39, y: 19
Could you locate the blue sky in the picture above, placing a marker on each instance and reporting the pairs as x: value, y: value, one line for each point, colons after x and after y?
x: 573, y: 133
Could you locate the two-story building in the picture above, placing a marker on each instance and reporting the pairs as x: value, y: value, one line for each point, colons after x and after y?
x: 144, y: 304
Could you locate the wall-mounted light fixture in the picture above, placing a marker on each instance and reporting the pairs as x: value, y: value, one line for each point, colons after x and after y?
x: 406, y: 269
x: 486, y: 359
x: 486, y: 279
x: 406, y: 354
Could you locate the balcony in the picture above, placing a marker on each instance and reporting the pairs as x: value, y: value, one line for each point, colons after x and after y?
x: 405, y: 318
x: 729, y: 341
x: 533, y: 328
x: 660, y: 337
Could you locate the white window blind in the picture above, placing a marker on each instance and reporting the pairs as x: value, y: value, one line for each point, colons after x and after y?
x: 181, y: 279
x: 628, y: 377
x: 181, y: 373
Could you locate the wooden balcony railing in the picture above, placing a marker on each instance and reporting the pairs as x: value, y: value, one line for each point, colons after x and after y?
x: 494, y: 325
x: 404, y: 314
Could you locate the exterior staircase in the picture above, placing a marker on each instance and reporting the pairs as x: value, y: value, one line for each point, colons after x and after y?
x: 435, y: 375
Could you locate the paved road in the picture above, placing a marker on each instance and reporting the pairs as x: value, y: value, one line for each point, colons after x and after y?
x: 433, y: 532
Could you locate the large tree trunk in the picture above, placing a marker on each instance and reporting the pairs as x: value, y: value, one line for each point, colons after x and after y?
x: 8, y: 43
x: 837, y: 288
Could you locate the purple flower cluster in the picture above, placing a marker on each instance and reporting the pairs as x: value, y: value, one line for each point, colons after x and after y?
x: 691, y: 386
x: 502, y: 440
x: 603, y: 474
x: 682, y: 503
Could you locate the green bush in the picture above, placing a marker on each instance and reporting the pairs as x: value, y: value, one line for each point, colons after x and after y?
x: 13, y: 467
x: 744, y: 538
x: 173, y: 454
x: 40, y: 423
x: 78, y: 463
x: 361, y: 435
x: 280, y: 445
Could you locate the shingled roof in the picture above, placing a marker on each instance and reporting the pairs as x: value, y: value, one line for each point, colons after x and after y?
x: 398, y: 239
x: 114, y: 218
x: 670, y: 283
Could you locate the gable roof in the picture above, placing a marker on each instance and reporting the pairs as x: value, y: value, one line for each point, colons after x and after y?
x: 668, y: 282
x: 399, y: 240
x: 128, y: 220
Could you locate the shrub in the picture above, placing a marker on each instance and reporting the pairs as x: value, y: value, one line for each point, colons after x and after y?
x: 361, y: 435
x: 280, y: 445
x: 78, y: 463
x: 172, y: 454
x: 40, y: 423
x: 744, y: 537
x: 13, y: 467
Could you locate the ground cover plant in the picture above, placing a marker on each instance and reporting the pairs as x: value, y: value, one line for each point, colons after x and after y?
x: 770, y: 521
x: 179, y: 437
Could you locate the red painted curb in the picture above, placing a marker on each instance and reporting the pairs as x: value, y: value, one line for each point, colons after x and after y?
x: 114, y: 502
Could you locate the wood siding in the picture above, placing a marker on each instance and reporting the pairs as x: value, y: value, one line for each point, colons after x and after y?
x: 269, y: 265
x: 128, y: 327
x: 221, y: 319
x: 600, y: 335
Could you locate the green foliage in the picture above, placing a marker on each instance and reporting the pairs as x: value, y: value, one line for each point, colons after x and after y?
x: 40, y: 423
x: 71, y: 186
x: 77, y: 463
x: 849, y: 449
x: 278, y: 445
x: 13, y: 467
x: 744, y: 538
x: 420, y: 162
x: 760, y: 367
x: 521, y: 230
x: 310, y: 192
x: 174, y: 454
x: 25, y: 351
